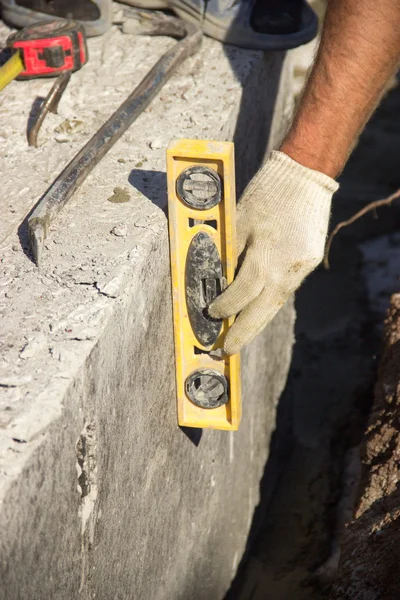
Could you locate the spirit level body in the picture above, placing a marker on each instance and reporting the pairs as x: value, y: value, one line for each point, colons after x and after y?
x: 218, y: 222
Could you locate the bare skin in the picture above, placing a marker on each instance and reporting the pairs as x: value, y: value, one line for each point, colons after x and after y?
x: 359, y: 52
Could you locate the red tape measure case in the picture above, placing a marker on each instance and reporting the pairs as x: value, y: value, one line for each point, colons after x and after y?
x: 49, y: 48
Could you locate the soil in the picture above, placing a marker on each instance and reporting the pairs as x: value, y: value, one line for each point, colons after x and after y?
x: 370, y: 548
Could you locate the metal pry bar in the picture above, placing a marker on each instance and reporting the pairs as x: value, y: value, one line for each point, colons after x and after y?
x: 50, y: 104
x: 79, y: 168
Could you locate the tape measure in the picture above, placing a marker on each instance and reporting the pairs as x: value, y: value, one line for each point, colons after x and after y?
x: 46, y: 49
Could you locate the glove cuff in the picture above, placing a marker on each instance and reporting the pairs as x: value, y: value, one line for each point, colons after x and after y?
x: 282, y: 160
x: 282, y: 172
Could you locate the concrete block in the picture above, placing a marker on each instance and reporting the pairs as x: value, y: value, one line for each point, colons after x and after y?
x: 102, y: 495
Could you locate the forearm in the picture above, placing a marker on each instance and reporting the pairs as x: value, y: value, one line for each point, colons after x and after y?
x: 359, y: 52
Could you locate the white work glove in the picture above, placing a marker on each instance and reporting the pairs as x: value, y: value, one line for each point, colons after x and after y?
x: 282, y: 222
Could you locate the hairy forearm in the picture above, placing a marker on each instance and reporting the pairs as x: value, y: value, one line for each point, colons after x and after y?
x: 359, y: 52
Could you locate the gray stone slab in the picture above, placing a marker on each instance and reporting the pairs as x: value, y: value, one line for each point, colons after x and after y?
x: 102, y: 495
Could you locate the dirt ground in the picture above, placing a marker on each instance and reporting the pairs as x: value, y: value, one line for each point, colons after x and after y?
x: 370, y: 549
x: 294, y: 549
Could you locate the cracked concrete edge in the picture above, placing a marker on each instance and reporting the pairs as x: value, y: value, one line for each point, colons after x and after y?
x: 22, y: 435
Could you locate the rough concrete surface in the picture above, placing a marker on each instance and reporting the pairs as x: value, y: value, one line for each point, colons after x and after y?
x: 102, y: 495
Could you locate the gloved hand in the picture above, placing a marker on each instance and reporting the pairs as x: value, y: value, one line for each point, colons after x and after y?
x: 282, y: 222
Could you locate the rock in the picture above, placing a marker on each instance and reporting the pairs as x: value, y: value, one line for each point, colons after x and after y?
x: 33, y: 346
x: 112, y: 285
x: 156, y: 144
x: 70, y: 126
x: 120, y: 230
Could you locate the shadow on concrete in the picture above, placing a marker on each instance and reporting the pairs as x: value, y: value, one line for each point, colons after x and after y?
x: 152, y: 184
x: 256, y: 111
x: 193, y: 434
x: 5, y: 54
x: 23, y: 234
x: 33, y: 113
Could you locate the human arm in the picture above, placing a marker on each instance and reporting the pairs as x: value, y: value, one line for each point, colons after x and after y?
x: 283, y: 215
x: 358, y: 53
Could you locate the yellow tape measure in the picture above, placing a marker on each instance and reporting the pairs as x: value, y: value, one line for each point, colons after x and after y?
x: 11, y: 70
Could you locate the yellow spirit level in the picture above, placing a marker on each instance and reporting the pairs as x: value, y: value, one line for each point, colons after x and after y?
x: 202, y: 229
